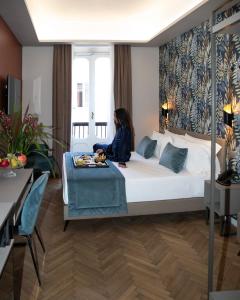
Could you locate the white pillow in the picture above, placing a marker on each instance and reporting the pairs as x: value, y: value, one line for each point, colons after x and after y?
x: 207, y: 145
x: 178, y: 139
x: 182, y: 140
x: 217, y: 166
x: 173, y: 135
x: 198, y: 159
x: 162, y: 141
x: 157, y: 136
x: 202, y: 142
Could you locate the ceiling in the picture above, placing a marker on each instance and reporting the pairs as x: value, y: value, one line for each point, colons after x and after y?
x: 105, y: 20
x: 157, y: 26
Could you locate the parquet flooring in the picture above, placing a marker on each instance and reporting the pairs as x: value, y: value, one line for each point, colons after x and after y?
x: 162, y: 257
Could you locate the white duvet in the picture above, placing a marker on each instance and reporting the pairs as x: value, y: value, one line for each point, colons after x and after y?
x: 146, y: 180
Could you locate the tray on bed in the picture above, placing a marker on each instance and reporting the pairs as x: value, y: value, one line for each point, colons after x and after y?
x: 87, y: 161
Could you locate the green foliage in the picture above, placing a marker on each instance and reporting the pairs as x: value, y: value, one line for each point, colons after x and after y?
x: 19, y: 134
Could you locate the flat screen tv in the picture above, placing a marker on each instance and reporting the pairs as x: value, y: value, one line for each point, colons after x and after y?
x: 13, y: 101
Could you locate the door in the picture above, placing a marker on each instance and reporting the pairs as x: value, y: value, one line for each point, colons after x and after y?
x: 91, y: 99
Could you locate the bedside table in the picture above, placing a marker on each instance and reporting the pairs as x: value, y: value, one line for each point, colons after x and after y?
x: 227, y: 203
x: 225, y: 295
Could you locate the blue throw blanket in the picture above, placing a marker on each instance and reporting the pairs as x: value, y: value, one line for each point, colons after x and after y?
x: 94, y: 191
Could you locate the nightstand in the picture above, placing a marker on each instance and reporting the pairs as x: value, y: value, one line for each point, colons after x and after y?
x: 227, y: 203
x: 225, y: 295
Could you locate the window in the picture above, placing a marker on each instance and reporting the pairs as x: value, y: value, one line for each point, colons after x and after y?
x: 79, y: 95
x: 91, y: 95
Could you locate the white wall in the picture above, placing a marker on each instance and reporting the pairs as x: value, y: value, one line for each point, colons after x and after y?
x: 145, y: 87
x: 37, y: 85
x: 37, y: 81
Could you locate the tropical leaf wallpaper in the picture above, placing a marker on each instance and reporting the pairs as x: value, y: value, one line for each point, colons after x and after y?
x: 184, y: 74
x: 185, y: 78
x: 227, y: 13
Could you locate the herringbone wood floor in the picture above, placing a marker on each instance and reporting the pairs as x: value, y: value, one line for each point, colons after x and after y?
x: 150, y: 257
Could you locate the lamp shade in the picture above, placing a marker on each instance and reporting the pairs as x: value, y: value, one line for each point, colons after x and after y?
x: 166, y: 107
x: 228, y: 115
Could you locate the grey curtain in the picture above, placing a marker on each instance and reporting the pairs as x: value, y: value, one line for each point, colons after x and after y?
x: 123, y: 77
x: 61, y: 110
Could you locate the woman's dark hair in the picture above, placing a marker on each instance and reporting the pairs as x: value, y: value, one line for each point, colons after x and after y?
x: 123, y: 118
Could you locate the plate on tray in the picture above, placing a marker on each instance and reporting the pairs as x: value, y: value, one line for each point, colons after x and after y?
x: 88, y: 161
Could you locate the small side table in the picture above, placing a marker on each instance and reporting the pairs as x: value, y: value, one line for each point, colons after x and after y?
x: 227, y: 202
x: 225, y: 295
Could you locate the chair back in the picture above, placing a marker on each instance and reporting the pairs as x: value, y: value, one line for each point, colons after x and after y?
x: 32, y: 205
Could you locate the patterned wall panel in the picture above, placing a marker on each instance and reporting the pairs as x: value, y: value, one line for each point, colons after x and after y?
x: 184, y: 69
x: 227, y: 13
x: 185, y: 78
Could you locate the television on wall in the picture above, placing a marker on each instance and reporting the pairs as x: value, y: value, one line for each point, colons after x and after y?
x: 13, y: 101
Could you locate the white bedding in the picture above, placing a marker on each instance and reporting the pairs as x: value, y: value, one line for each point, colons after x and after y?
x: 146, y: 180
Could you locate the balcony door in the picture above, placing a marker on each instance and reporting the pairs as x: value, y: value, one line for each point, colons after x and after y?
x: 91, y: 98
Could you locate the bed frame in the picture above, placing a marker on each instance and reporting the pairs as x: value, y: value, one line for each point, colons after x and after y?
x: 163, y: 206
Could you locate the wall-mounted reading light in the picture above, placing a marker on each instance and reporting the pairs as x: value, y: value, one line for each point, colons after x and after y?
x: 229, y: 136
x: 166, y: 107
x: 165, y: 110
x: 228, y: 114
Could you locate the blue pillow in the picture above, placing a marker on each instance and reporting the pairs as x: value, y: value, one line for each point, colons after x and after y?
x: 173, y: 157
x: 146, y: 147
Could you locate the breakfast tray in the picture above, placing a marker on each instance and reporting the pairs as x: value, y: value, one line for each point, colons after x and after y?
x: 87, y: 161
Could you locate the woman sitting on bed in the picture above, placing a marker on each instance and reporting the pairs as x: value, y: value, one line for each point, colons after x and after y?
x: 120, y: 148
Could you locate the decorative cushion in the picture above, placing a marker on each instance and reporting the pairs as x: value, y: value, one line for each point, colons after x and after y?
x: 173, y: 157
x: 146, y: 147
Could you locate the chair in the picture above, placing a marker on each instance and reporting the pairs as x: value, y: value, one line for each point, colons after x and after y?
x: 40, y: 161
x: 29, y: 217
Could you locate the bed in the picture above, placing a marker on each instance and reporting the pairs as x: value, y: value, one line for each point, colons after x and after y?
x: 149, y: 186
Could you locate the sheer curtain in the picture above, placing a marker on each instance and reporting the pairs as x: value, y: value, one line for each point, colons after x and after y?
x: 111, y: 127
x: 62, y: 84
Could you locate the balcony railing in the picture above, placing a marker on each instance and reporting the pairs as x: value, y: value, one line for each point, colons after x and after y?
x: 80, y: 130
x: 101, y: 130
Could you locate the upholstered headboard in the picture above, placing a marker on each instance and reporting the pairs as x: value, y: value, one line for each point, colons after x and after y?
x: 221, y: 154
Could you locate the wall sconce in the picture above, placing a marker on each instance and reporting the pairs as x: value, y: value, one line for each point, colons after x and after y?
x: 165, y: 110
x: 228, y: 114
x: 166, y: 107
x: 229, y: 135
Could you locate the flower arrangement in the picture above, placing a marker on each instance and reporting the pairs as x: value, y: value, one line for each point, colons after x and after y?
x: 22, y: 135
